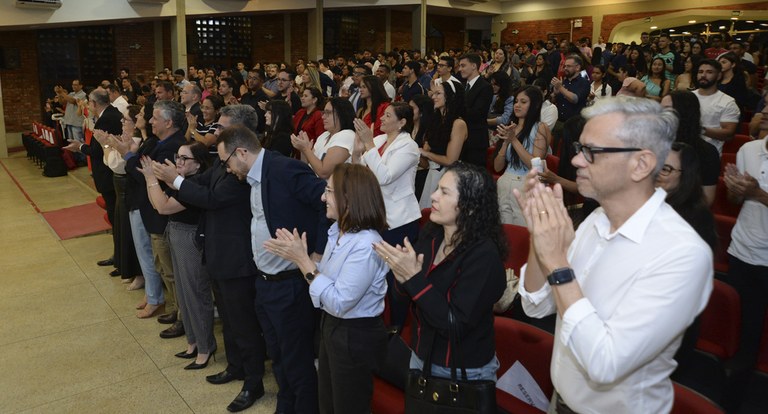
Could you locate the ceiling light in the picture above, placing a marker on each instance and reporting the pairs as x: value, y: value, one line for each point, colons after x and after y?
x: 691, y: 21
x: 764, y: 24
x: 654, y: 27
x: 750, y: 21
x: 686, y: 33
x: 734, y: 18
x: 671, y: 30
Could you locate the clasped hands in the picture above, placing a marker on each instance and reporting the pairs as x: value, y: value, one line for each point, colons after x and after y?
x: 402, y: 260
x: 741, y: 185
x: 301, y: 141
x: 165, y: 172
x: 290, y: 245
x: 549, y: 224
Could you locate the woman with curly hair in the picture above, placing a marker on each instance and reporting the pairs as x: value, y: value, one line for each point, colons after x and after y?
x: 445, y: 135
x: 457, y: 267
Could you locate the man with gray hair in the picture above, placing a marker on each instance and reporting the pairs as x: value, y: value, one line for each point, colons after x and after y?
x: 168, y: 123
x: 626, y: 285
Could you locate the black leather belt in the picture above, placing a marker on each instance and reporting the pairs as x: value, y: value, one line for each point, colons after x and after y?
x: 284, y: 275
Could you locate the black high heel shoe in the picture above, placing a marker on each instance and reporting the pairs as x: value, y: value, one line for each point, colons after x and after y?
x: 185, y: 355
x: 195, y: 365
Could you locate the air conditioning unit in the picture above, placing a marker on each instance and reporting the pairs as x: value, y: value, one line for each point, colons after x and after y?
x: 38, y: 4
x: 148, y: 1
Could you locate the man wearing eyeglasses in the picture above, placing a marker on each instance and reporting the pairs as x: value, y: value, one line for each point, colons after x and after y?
x: 285, y: 193
x: 626, y: 285
x: 285, y: 89
x: 226, y: 241
x: 358, y: 73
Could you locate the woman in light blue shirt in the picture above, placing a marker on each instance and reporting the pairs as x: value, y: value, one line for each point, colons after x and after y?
x: 522, y: 140
x: 349, y: 285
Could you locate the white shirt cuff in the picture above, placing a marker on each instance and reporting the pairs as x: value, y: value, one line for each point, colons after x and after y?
x: 536, y: 297
x: 177, y: 182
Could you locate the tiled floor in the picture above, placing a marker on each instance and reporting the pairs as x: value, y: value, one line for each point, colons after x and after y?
x: 69, y: 338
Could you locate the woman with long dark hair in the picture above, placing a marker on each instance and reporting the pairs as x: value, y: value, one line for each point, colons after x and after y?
x: 277, y: 134
x: 193, y: 284
x: 685, y: 80
x: 681, y: 179
x: 656, y: 82
x: 456, y: 266
x: 348, y: 285
x: 502, y: 102
x: 689, y: 132
x: 521, y: 141
x: 542, y: 70
x: 375, y: 101
x: 423, y: 111
x: 309, y: 118
x: 446, y: 134
x: 636, y: 59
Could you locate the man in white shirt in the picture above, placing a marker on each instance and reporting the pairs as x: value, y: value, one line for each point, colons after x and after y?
x: 747, y: 184
x: 117, y: 100
x: 719, y: 112
x: 628, y: 283
x: 382, y: 72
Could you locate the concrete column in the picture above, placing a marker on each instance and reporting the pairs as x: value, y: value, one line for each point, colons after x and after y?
x: 419, y: 27
x: 597, y: 25
x: 287, y: 38
x: 158, y: 46
x: 179, y: 37
x: 315, y: 31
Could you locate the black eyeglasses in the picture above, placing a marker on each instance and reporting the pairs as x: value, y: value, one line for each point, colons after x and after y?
x: 225, y: 164
x: 668, y: 169
x: 589, y: 151
x: 181, y: 159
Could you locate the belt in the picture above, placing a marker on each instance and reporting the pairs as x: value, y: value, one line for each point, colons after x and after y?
x: 284, y: 275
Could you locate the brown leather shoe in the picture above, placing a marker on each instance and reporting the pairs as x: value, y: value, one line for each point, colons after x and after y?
x: 167, y: 318
x: 176, y: 330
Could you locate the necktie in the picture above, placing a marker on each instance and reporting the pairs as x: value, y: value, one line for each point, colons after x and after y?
x: 466, y: 87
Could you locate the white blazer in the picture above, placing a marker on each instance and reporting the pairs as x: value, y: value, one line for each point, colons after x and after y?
x: 396, y: 172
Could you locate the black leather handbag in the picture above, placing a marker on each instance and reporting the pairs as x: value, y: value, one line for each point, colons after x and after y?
x: 426, y: 394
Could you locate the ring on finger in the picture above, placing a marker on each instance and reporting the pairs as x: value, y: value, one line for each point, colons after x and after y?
x: 543, y: 212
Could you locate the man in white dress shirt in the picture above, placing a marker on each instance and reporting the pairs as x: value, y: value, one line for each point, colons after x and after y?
x: 628, y: 283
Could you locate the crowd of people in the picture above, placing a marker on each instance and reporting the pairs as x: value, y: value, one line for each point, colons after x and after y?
x: 287, y: 199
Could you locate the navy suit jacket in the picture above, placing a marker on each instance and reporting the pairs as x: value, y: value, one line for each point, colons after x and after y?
x: 226, y: 221
x: 291, y: 192
x: 111, y: 122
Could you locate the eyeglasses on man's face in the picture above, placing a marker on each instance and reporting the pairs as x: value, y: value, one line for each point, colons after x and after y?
x: 179, y: 159
x: 225, y: 164
x: 589, y: 151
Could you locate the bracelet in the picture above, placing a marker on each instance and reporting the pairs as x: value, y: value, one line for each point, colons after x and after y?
x: 153, y: 184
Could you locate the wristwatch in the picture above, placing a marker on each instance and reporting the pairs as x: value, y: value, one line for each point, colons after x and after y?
x: 311, y: 275
x: 561, y: 276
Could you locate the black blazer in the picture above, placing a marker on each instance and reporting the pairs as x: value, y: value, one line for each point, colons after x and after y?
x: 163, y: 150
x: 291, y: 194
x: 477, y: 101
x: 111, y: 122
x: 226, y: 221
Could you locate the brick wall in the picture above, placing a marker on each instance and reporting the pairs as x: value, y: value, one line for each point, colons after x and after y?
x: 299, y: 35
x: 400, y: 30
x: 373, y: 19
x: 451, y: 27
x: 21, y: 90
x: 265, y: 49
x: 533, y: 30
x: 138, y: 61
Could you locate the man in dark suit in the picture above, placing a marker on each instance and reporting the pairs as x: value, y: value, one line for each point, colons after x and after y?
x: 168, y: 124
x: 477, y: 99
x: 228, y: 258
x: 285, y: 193
x: 109, y: 120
